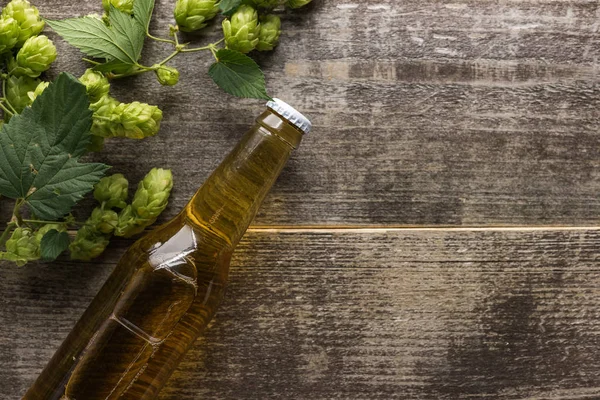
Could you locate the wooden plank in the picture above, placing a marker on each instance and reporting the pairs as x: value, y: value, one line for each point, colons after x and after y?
x: 359, y: 314
x: 426, y: 113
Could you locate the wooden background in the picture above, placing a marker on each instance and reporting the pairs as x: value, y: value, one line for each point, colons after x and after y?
x: 435, y: 237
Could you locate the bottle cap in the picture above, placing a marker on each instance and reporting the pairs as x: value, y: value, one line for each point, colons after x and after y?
x: 291, y: 114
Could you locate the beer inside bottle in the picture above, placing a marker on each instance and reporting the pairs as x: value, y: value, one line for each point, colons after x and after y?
x: 167, y: 286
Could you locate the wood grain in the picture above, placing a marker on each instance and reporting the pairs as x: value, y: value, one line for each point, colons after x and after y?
x: 355, y: 314
x: 426, y: 113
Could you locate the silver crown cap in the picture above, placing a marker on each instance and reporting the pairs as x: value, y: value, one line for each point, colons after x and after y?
x: 291, y: 114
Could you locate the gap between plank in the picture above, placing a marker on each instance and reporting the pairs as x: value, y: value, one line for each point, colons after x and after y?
x: 400, y: 228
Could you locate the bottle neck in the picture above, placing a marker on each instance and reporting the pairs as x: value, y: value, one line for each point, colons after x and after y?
x: 228, y: 201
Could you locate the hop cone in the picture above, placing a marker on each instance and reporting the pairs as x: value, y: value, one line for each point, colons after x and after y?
x: 138, y: 120
x: 17, y: 89
x: 122, y: 5
x: 105, y: 119
x: 96, y: 84
x: 38, y: 91
x: 149, y: 202
x: 47, y: 228
x: 152, y: 194
x: 28, y: 18
x: 241, y: 32
x: 128, y: 224
x: 22, y: 247
x: 9, y: 33
x: 167, y: 76
x: 34, y: 57
x: 112, y: 191
x: 104, y: 221
x: 270, y: 29
x: 192, y: 15
x: 89, y: 243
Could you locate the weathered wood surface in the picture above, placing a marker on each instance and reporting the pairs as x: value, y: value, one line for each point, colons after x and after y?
x: 426, y: 112
x: 360, y: 315
x: 471, y: 112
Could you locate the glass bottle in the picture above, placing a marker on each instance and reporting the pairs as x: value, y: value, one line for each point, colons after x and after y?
x: 167, y: 286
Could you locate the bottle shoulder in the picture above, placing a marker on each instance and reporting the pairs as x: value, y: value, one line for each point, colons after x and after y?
x: 183, y: 250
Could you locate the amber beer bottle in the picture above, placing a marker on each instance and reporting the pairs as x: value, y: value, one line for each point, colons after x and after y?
x: 167, y: 286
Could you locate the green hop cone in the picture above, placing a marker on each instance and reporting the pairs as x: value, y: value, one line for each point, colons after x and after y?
x: 88, y: 243
x: 149, y: 202
x: 104, y: 221
x: 105, y: 119
x: 112, y: 191
x: 22, y: 247
x: 122, y: 5
x: 270, y: 29
x: 38, y: 91
x: 127, y: 225
x: 39, y: 234
x: 167, y: 76
x: 96, y: 84
x: 28, y: 18
x: 192, y: 15
x: 152, y: 194
x: 34, y: 57
x: 296, y: 3
x: 138, y: 120
x: 242, y: 30
x: 9, y: 33
x: 17, y: 89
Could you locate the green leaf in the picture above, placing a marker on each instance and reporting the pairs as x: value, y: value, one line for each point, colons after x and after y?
x: 114, y: 66
x: 40, y: 148
x: 92, y: 37
x: 53, y: 244
x: 239, y: 75
x: 229, y: 6
x: 122, y: 41
x: 142, y: 12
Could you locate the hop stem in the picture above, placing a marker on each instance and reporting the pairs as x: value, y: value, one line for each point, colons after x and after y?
x: 6, y: 233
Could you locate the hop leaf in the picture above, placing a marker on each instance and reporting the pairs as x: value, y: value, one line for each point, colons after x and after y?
x: 112, y: 191
x: 9, y: 33
x: 269, y: 4
x: 38, y: 90
x: 28, y: 18
x: 17, y: 89
x: 40, y: 233
x: 22, y: 247
x: 53, y: 240
x: 239, y: 75
x: 296, y: 3
x: 150, y: 200
x: 241, y: 32
x: 42, y: 147
x: 167, y: 76
x: 34, y: 57
x: 270, y: 29
x: 192, y: 15
x: 96, y: 84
